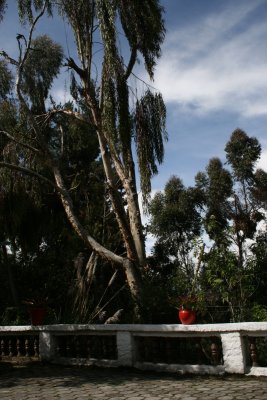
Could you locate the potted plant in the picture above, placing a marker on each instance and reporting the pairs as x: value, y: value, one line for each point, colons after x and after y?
x: 188, y: 306
x: 187, y: 309
x: 37, y: 310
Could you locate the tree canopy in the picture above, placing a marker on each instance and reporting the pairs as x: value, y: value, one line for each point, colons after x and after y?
x: 210, y: 238
x: 101, y: 101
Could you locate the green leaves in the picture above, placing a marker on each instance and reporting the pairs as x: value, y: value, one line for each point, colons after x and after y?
x: 26, y: 8
x: 242, y: 153
x: 6, y: 80
x: 175, y: 219
x: 41, y: 68
x: 143, y: 25
x: 2, y: 8
x: 150, y: 133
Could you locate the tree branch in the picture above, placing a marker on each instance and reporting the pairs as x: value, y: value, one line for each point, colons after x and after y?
x: 9, y: 59
x: 27, y: 171
x: 72, y: 64
x: 131, y: 63
x: 27, y: 146
x: 68, y: 207
x: 24, y: 58
x: 71, y: 113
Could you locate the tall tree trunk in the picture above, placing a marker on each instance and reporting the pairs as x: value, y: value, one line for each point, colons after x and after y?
x: 131, y: 270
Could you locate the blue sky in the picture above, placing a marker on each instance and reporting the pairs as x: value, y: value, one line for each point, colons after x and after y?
x: 212, y: 74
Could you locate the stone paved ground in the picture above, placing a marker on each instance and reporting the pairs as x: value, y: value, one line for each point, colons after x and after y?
x: 72, y: 383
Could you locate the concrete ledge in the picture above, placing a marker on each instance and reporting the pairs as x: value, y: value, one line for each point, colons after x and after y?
x: 233, y: 338
x: 257, y: 328
x: 257, y: 371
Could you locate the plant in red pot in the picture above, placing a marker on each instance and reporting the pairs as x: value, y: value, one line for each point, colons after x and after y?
x: 190, y: 306
x: 187, y: 309
x: 37, y: 310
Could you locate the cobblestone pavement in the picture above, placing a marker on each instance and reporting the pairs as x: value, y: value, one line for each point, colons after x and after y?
x: 72, y: 383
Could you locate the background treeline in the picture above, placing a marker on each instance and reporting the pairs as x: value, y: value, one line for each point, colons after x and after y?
x: 210, y: 249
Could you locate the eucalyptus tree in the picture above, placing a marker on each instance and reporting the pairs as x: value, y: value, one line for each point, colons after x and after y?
x: 104, y: 92
x: 235, y: 204
x: 175, y: 222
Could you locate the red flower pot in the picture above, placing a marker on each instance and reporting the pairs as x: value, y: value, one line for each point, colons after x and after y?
x: 187, y: 317
x: 37, y: 315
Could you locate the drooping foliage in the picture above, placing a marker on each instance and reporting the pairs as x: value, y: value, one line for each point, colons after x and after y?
x: 41, y: 68
x: 150, y: 132
x: 101, y: 90
x: 2, y: 8
x: 26, y: 7
x: 144, y: 28
x: 5, y: 80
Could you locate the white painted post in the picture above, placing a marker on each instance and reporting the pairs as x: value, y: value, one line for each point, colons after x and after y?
x: 233, y: 353
x: 47, y: 346
x: 125, y: 349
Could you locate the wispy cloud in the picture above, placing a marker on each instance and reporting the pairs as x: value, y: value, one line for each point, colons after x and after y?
x: 263, y: 161
x: 220, y: 63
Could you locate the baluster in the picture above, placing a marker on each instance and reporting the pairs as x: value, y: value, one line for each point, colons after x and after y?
x: 18, y: 347
x: 198, y: 350
x: 93, y: 350
x: 104, y: 346
x: 88, y: 347
x: 253, y: 352
x: 113, y: 348
x: 2, y: 347
x: 160, y: 356
x: 98, y: 347
x: 101, y: 347
x: 154, y: 350
x: 110, y: 348
x: 36, y: 347
x: 140, y: 348
x: 147, y: 353
x: 214, y: 353
x: 68, y: 353
x: 10, y: 348
x: 168, y: 351
x: 77, y: 347
x: 59, y: 346
x: 27, y: 347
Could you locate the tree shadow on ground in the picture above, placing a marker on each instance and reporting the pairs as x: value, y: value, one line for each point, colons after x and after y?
x: 12, y: 375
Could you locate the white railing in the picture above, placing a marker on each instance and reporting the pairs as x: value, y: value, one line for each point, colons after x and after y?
x: 231, y: 347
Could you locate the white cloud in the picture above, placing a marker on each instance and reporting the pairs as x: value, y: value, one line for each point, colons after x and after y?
x: 263, y: 161
x: 61, y: 95
x: 219, y: 63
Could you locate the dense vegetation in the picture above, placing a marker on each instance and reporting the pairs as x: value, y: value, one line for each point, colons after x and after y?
x: 211, y: 238
x: 71, y: 231
x: 82, y: 153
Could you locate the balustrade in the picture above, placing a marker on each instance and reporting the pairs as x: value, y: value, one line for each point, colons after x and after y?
x: 213, y: 349
x: 181, y: 350
x: 19, y: 346
x: 87, y: 346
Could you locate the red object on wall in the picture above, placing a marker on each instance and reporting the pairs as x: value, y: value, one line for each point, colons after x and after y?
x: 187, y: 317
x: 37, y: 315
